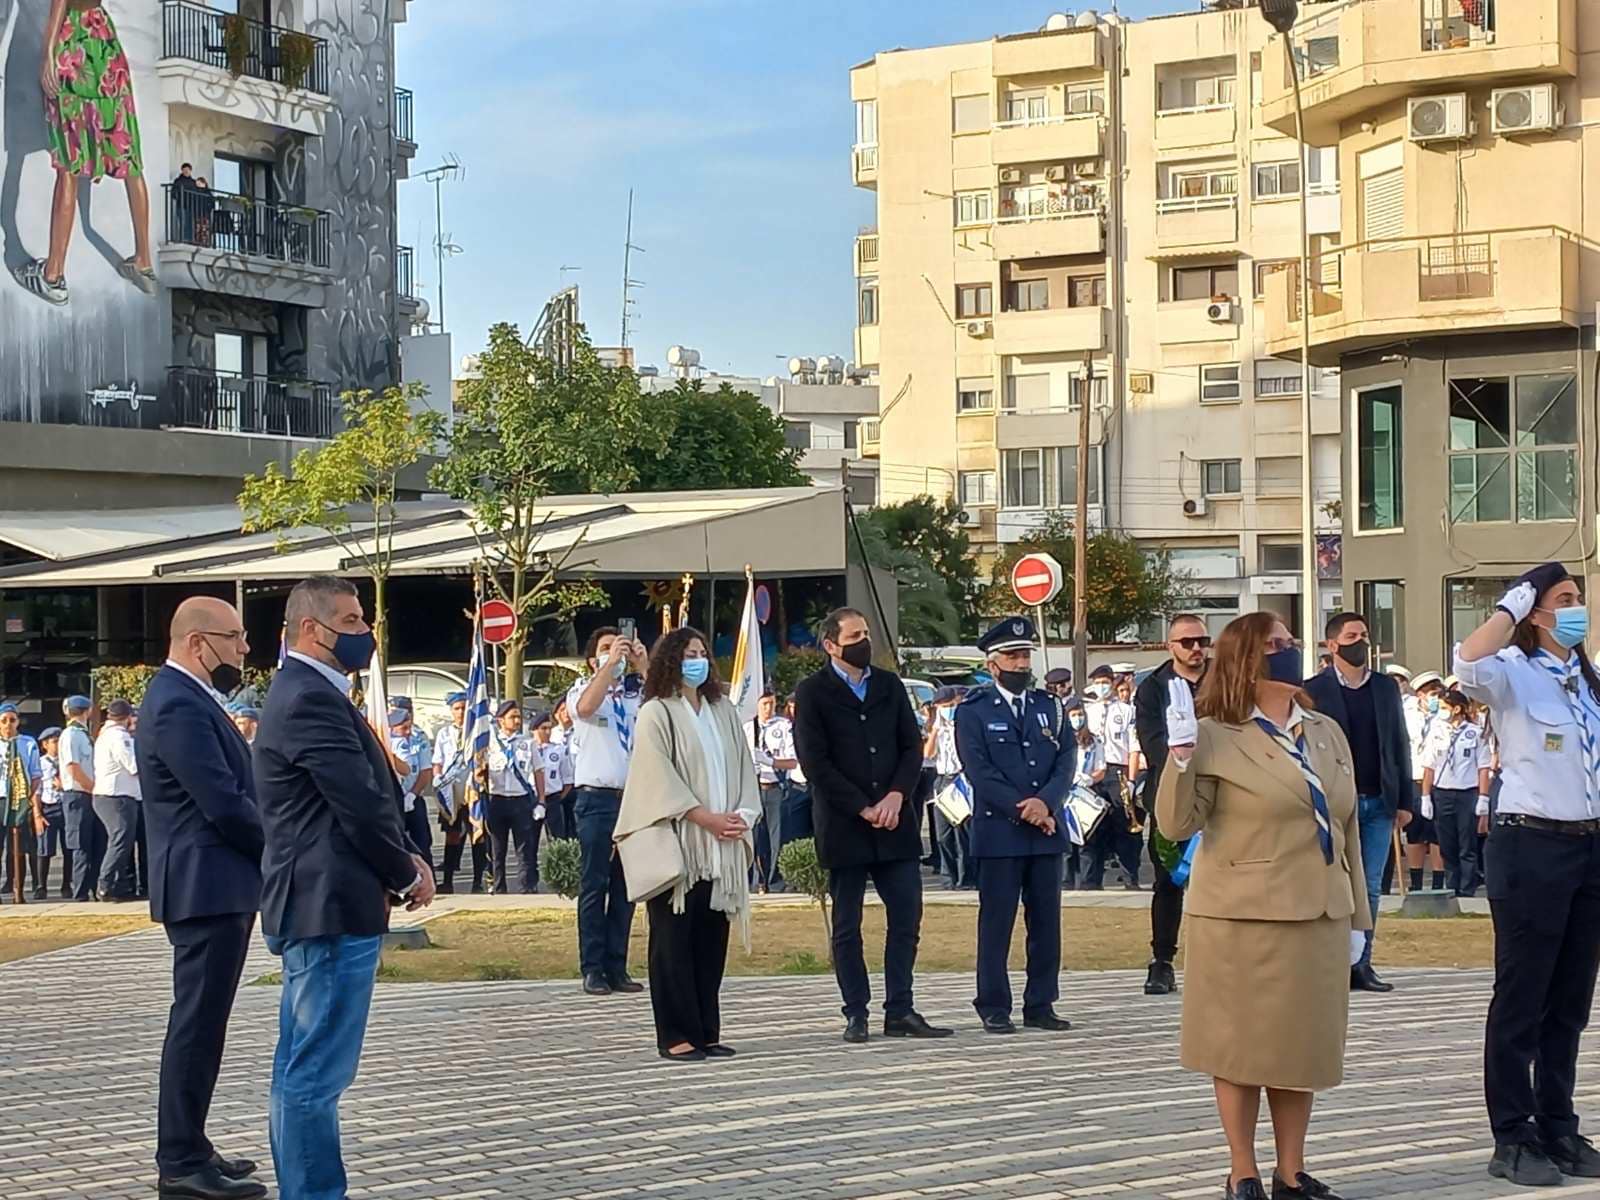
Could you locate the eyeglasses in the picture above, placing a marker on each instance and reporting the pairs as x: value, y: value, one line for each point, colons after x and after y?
x: 1190, y: 643
x: 233, y: 635
x: 1276, y: 644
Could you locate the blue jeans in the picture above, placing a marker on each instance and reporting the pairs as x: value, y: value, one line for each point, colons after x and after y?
x: 1377, y: 838
x: 604, y: 914
x: 322, y: 1019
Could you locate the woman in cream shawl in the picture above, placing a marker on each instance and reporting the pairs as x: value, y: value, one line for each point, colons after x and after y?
x: 690, y: 771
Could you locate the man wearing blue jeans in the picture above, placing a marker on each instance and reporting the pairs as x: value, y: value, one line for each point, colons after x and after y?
x: 1369, y: 710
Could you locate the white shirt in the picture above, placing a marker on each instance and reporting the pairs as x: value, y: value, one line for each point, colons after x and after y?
x: 786, y: 750
x: 552, y: 758
x: 507, y: 756
x: 209, y: 690
x: 1457, y: 753
x: 772, y: 741
x: 599, y: 758
x: 1119, y: 738
x: 760, y: 755
x: 448, y: 762
x: 948, y: 761
x: 116, y: 772
x: 75, y: 747
x: 1541, y: 749
x: 1090, y: 759
x: 337, y: 678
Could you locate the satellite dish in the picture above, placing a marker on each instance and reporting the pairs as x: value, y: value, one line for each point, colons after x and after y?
x: 422, y: 313
x: 1058, y: 21
x: 1087, y: 19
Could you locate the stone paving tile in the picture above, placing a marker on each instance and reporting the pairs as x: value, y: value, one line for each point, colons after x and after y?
x: 530, y: 1091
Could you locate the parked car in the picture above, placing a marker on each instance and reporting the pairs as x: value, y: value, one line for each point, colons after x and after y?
x: 428, y: 684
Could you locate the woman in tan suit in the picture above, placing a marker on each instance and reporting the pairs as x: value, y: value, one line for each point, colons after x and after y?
x: 1269, y: 787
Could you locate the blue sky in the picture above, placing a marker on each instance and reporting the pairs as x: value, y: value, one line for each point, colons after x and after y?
x: 732, y: 121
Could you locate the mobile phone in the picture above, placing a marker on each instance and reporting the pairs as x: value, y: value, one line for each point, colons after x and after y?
x: 628, y: 629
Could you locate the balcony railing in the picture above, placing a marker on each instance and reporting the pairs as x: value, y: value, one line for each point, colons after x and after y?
x: 866, y: 158
x: 223, y: 402
x: 243, y: 47
x: 405, y: 272
x: 1053, y: 204
x: 1174, y: 204
x: 247, y: 226
x: 1457, y: 24
x: 404, y: 129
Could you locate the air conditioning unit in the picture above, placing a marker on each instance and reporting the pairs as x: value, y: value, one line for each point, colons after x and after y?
x: 1057, y: 173
x: 1087, y: 168
x: 1220, y: 311
x: 1534, y: 109
x: 1010, y: 175
x: 1438, y: 118
x: 1195, y: 508
x: 980, y: 328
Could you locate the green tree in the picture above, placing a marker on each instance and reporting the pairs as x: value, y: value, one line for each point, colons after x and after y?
x: 712, y: 440
x: 927, y: 615
x: 932, y: 529
x: 1127, y: 584
x: 526, y: 427
x: 347, y: 486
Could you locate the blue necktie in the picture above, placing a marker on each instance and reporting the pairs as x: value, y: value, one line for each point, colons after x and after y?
x: 1296, y: 749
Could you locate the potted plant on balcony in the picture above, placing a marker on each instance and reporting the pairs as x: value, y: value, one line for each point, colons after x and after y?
x: 297, y: 52
x: 236, y: 43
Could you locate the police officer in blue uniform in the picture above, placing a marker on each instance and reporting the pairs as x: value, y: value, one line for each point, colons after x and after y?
x: 1019, y: 765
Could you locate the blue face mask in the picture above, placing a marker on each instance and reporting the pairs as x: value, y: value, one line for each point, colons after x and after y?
x: 352, y: 651
x: 1433, y: 704
x: 696, y: 671
x: 1572, y: 625
x: 1284, y: 666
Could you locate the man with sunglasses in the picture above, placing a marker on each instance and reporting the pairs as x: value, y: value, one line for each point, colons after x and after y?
x: 1188, y: 643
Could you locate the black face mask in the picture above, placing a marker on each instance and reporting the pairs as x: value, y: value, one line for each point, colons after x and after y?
x: 1355, y: 653
x: 1015, y: 682
x: 225, y: 677
x: 857, y: 654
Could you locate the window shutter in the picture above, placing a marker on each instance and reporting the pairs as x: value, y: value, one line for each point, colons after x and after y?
x: 1383, y: 206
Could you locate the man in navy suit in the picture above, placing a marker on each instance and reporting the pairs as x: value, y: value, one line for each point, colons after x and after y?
x: 336, y: 859
x: 1019, y: 766
x: 205, y: 881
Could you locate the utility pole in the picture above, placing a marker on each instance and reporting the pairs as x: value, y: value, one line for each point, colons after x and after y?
x: 1080, y: 534
x: 628, y: 281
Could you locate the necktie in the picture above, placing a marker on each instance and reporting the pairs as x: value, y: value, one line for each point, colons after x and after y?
x: 1017, y: 708
x: 1296, y: 748
x: 1576, y: 693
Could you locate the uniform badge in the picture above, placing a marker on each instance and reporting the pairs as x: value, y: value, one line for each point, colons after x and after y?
x: 1552, y: 743
x: 1018, y: 628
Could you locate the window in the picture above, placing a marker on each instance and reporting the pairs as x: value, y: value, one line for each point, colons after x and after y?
x: 1030, y: 295
x: 1322, y: 169
x: 1527, y: 475
x: 1277, y: 179
x: 1278, y: 476
x: 866, y: 122
x: 1275, y: 379
x: 974, y: 395
x: 1202, y: 283
x: 1026, y: 478
x: 1383, y: 603
x: 797, y: 435
x: 974, y: 208
x: 1067, y: 472
x: 1199, y: 91
x: 975, y: 487
x: 1270, y: 266
x: 868, y: 295
x: 1469, y: 603
x: 1220, y: 477
x: 1086, y: 291
x: 974, y: 300
x: 1219, y: 383
x: 971, y: 114
x: 1280, y: 558
x: 1026, y: 106
x: 1027, y: 393
x: 851, y: 438
x: 1195, y: 185
x: 1085, y: 98
x: 1316, y: 55
x: 1380, y: 491
x: 1383, y: 192
x: 863, y: 487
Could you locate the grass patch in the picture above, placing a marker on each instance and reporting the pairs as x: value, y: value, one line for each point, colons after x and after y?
x: 21, y: 937
x: 803, y: 962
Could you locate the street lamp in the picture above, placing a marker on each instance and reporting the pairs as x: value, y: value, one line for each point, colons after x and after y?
x: 1281, y: 14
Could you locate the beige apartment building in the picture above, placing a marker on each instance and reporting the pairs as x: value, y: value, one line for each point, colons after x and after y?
x: 1095, y: 208
x: 1460, y: 301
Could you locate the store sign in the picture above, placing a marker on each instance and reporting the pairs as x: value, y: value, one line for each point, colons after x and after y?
x: 104, y: 397
x: 13, y: 624
x: 1275, y: 585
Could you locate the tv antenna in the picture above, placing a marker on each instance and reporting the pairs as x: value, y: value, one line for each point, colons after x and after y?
x: 451, y: 168
x: 628, y: 281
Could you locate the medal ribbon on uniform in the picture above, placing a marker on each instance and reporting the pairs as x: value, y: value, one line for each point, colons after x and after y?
x: 1296, y: 748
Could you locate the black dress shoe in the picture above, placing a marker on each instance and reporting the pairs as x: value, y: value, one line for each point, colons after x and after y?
x: 1304, y: 1187
x: 855, y: 1030
x: 595, y: 984
x: 1245, y: 1189
x: 1524, y: 1164
x: 686, y: 1056
x: 40, y: 893
x: 998, y: 1023
x: 233, y: 1168
x: 1364, y: 979
x: 1046, y: 1020
x: 912, y: 1025
x: 208, y: 1183
x: 624, y: 983
x: 1574, y: 1155
x: 1160, y: 980
x: 718, y: 1050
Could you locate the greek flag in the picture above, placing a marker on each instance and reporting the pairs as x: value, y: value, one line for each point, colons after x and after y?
x: 1583, y: 705
x: 475, y: 735
x: 1296, y: 748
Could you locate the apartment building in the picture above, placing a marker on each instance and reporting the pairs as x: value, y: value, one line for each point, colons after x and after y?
x: 267, y: 294
x: 1093, y: 209
x: 1459, y: 304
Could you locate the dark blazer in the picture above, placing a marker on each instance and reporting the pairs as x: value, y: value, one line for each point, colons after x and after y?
x: 331, y: 804
x: 1006, y: 762
x: 854, y: 753
x: 1150, y: 722
x: 1394, y: 741
x: 200, y: 808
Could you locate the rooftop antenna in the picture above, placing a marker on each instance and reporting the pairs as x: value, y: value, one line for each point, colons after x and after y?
x: 450, y: 168
x: 628, y: 282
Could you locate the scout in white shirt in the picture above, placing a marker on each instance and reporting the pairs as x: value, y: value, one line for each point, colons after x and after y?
x: 1528, y: 663
x: 1455, y: 778
x: 516, y: 797
x: 452, y: 770
x: 116, y: 801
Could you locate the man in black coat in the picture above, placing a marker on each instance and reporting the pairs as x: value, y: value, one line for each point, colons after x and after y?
x: 1369, y: 709
x: 205, y: 844
x: 857, y: 741
x: 1187, y: 642
x: 336, y: 859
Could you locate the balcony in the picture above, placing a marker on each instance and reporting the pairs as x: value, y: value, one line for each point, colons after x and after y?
x: 243, y: 246
x: 1034, y: 223
x: 405, y: 281
x: 1050, y: 331
x: 1056, y: 138
x: 1206, y: 125
x: 870, y: 432
x: 1016, y: 524
x: 263, y: 406
x: 1048, y: 52
x: 232, y: 66
x: 1371, y: 293
x: 1187, y: 321
x: 866, y: 253
x: 1361, y: 54
x: 864, y: 165
x: 405, y: 132
x: 1197, y: 223
x: 867, y: 351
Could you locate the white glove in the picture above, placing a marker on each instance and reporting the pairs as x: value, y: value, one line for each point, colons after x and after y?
x: 538, y: 812
x: 1483, y: 806
x: 1519, y: 601
x: 1427, y: 808
x: 1182, y: 728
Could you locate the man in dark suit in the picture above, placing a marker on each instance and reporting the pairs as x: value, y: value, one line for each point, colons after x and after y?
x: 336, y: 858
x: 857, y: 741
x: 1019, y: 766
x: 205, y: 881
x: 1368, y: 708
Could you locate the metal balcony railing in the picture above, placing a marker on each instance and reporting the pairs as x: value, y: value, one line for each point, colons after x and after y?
x: 242, y: 46
x: 1032, y: 204
x: 247, y: 226
x: 866, y: 158
x: 405, y: 272
x: 252, y: 404
x: 1455, y: 24
x: 404, y: 129
x: 867, y: 247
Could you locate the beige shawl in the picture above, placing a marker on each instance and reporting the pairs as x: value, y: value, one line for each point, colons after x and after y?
x: 668, y: 776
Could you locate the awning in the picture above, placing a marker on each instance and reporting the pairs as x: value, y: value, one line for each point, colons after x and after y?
x: 1180, y: 253
x: 64, y: 535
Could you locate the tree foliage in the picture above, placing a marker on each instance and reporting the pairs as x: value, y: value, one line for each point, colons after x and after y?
x: 927, y: 615
x: 931, y: 529
x: 713, y: 440
x: 1127, y: 585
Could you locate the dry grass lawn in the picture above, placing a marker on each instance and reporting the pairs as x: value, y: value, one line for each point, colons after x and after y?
x: 23, y: 936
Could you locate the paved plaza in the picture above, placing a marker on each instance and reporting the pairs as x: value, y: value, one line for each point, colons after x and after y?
x: 533, y: 1091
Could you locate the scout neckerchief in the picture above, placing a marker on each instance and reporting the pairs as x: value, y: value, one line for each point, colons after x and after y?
x: 1585, y: 711
x: 1296, y: 748
x: 17, y: 785
x: 619, y: 713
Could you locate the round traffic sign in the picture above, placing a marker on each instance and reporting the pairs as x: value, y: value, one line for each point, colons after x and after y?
x: 499, y: 621
x: 1036, y: 579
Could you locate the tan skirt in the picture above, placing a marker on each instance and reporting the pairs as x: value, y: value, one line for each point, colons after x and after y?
x: 1265, y: 1003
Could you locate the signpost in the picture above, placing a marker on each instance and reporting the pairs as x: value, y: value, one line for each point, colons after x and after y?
x: 1036, y: 580
x: 499, y: 621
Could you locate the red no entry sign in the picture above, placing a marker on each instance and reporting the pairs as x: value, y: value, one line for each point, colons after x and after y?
x: 499, y: 621
x: 1036, y: 579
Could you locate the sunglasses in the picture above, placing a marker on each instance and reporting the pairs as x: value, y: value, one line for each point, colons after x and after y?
x: 1189, y: 643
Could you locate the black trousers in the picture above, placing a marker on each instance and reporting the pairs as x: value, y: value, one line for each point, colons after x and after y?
x: 1166, y: 904
x: 1455, y: 818
x: 1036, y: 881
x: 899, y: 886
x: 452, y: 858
x: 207, y: 961
x: 1112, y: 839
x: 511, y: 817
x: 687, y: 955
x: 419, y: 828
x: 1544, y: 894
